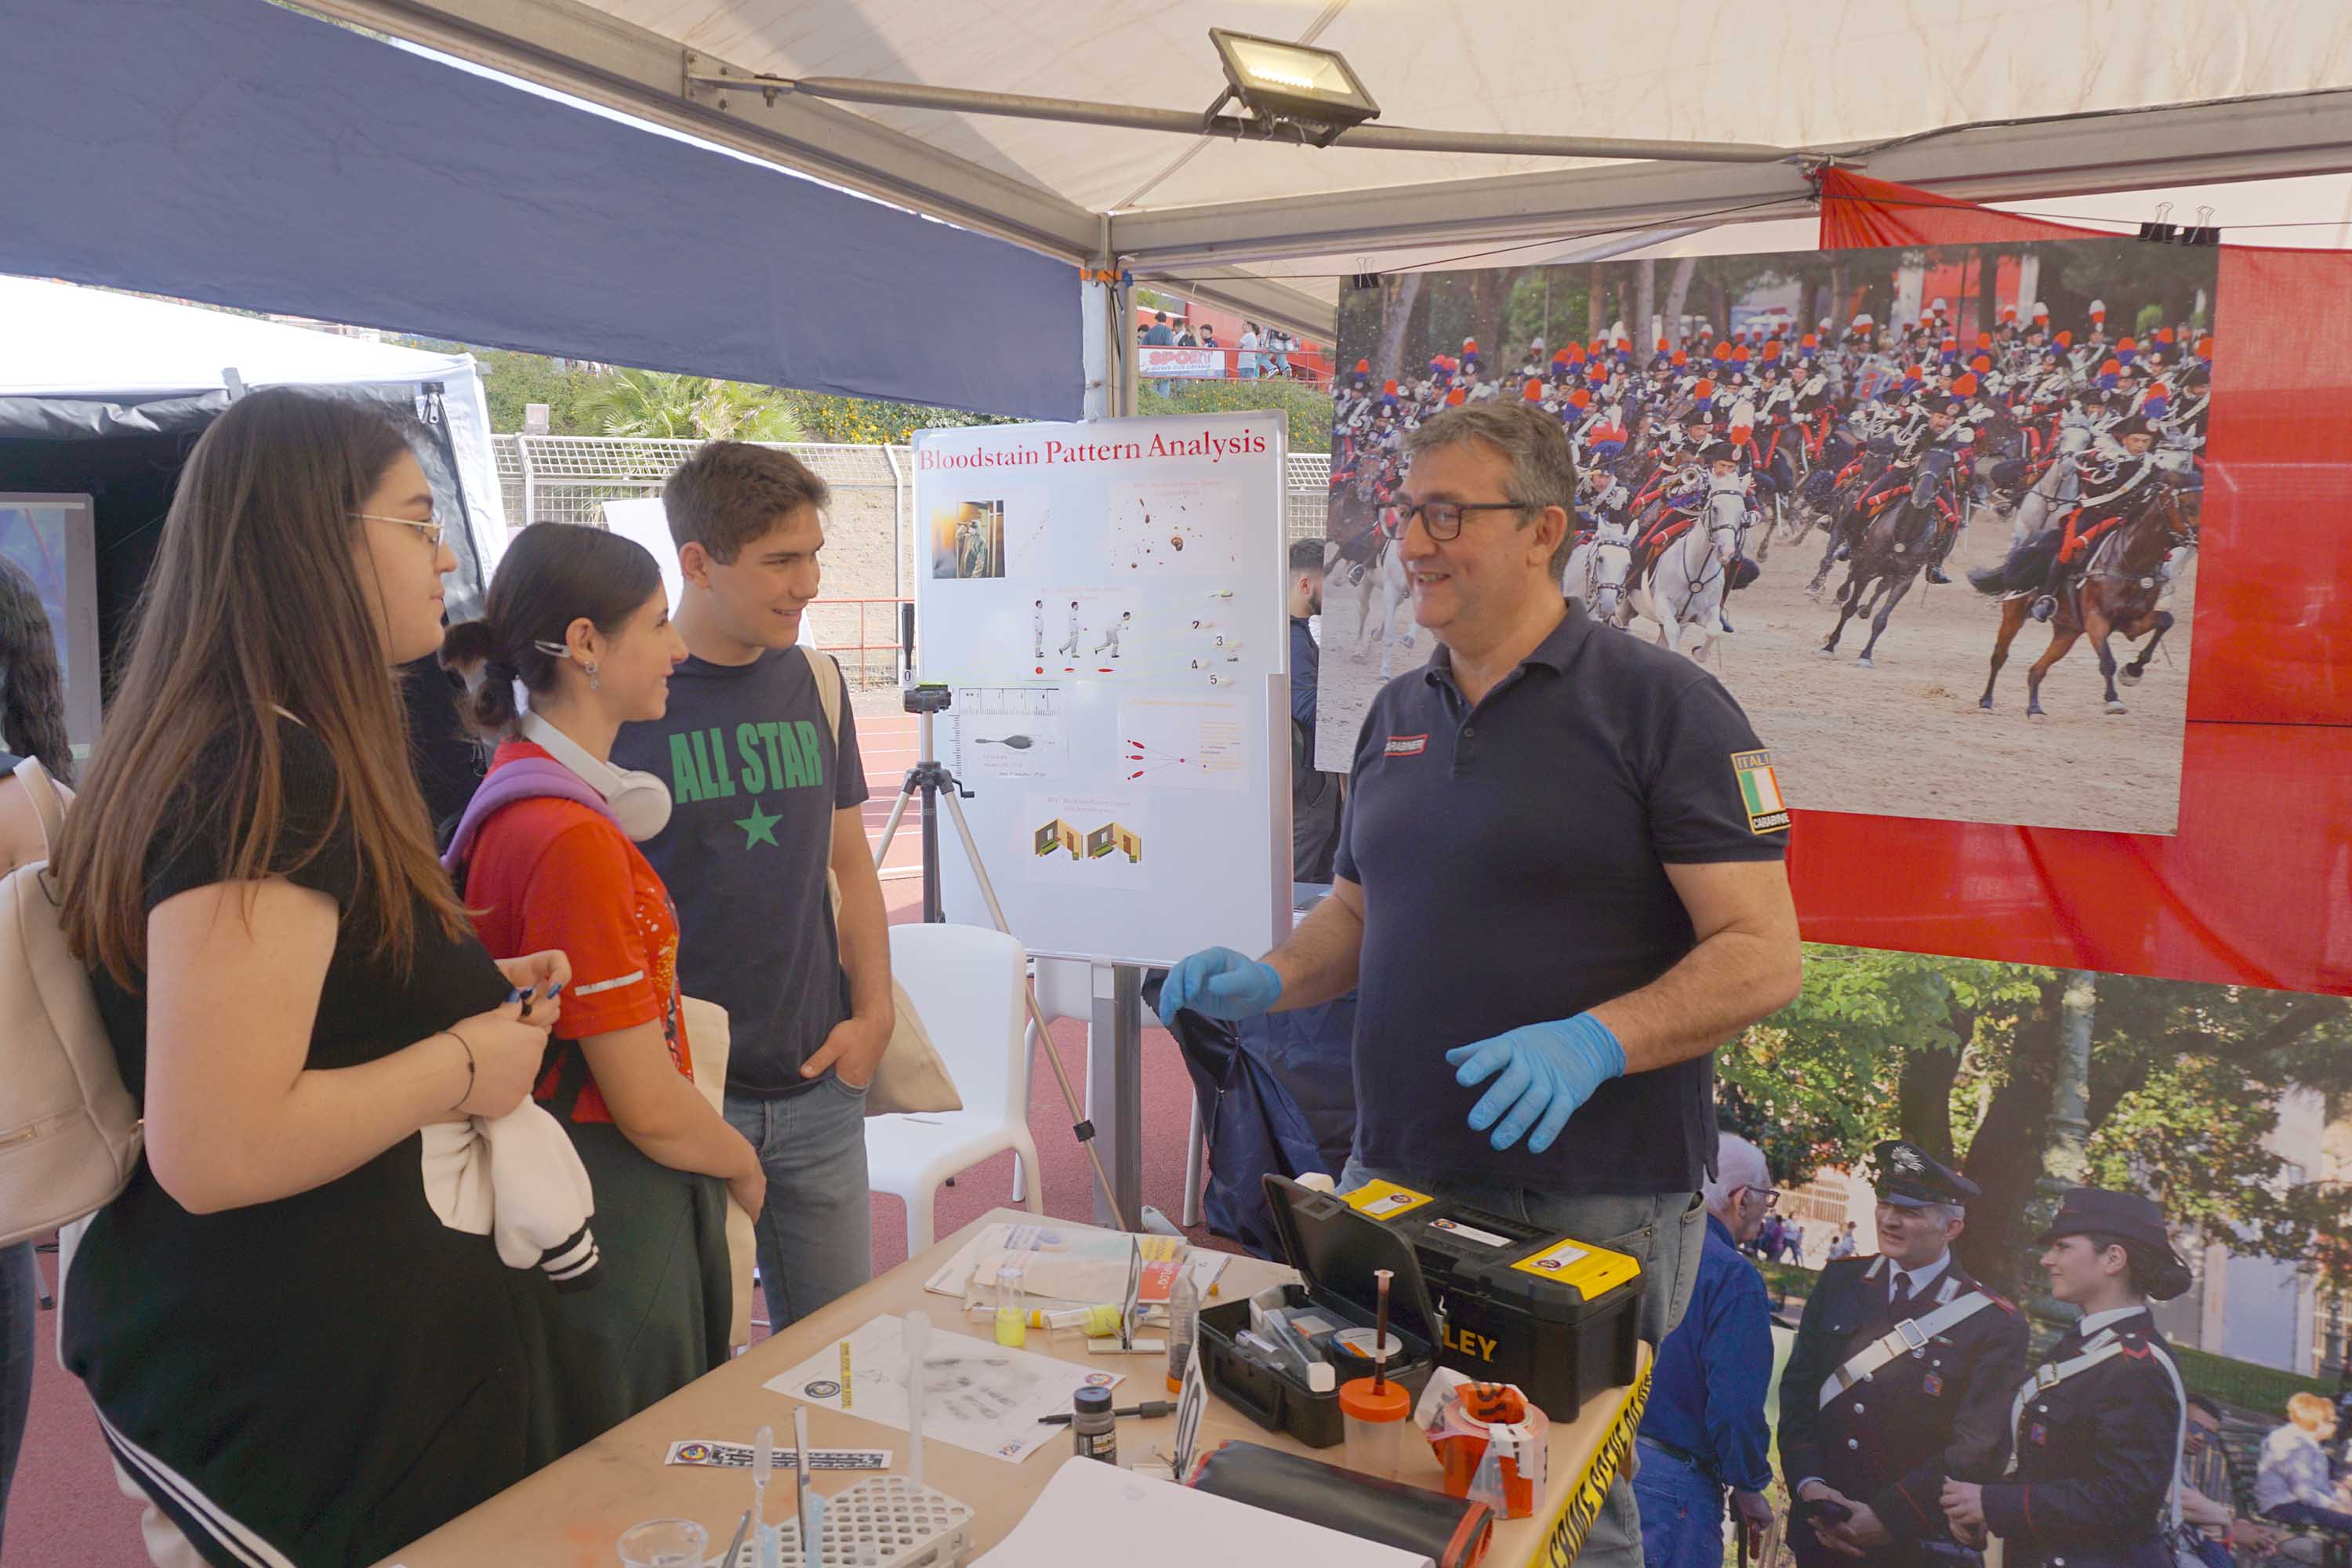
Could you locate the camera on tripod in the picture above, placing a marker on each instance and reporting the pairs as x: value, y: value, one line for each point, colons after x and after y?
x: 929, y: 699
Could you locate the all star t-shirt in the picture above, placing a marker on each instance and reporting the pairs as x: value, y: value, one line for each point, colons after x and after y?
x: 755, y: 783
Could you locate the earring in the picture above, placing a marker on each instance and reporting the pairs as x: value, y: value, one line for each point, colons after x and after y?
x: 592, y: 675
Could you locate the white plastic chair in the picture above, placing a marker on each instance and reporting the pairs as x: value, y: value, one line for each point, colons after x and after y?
x: 965, y: 981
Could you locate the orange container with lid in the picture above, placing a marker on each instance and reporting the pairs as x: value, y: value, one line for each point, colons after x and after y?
x: 1377, y: 1416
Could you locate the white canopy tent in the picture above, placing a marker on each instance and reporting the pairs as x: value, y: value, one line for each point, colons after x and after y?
x: 89, y: 362
x: 1982, y: 98
x: 93, y: 346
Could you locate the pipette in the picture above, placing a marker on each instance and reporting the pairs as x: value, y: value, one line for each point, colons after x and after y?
x: 918, y: 1337
x: 1380, y: 1332
x: 800, y: 1480
x: 763, y: 1465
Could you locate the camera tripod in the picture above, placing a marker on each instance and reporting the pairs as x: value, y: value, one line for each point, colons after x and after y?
x: 931, y: 780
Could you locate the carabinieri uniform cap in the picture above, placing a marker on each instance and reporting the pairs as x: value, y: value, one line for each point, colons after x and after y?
x: 1911, y: 1178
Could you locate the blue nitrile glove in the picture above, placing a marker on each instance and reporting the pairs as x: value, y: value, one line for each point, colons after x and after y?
x: 1549, y: 1069
x: 1219, y: 983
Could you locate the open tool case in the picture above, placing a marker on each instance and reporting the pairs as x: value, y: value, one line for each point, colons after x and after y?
x: 1517, y: 1303
x: 1335, y: 1250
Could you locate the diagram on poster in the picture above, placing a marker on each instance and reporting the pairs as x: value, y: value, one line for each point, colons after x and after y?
x: 1185, y: 743
x: 1005, y: 733
x: 1175, y: 526
x: 976, y: 1396
x: 1094, y: 632
x: 1087, y: 841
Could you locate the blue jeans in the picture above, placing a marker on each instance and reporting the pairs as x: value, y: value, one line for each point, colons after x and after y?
x: 1682, y: 1512
x: 1663, y: 1231
x: 816, y: 1229
x: 19, y: 1292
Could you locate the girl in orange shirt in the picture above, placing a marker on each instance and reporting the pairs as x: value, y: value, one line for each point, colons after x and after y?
x: 577, y: 617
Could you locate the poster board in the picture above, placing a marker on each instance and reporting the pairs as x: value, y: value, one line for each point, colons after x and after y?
x: 1106, y: 601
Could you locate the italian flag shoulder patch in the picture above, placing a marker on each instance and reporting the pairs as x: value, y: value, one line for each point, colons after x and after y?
x: 1759, y: 791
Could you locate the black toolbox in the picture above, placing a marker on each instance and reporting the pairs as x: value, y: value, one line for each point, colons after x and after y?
x: 1335, y: 1250
x: 1517, y: 1303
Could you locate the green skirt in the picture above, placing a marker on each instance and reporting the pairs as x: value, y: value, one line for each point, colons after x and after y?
x: 659, y: 1314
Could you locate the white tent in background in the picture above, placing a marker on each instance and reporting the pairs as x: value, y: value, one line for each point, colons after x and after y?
x: 90, y: 363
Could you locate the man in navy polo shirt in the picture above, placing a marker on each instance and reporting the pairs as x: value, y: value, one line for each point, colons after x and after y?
x: 1558, y: 887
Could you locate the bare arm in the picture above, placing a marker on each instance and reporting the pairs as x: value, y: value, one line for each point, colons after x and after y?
x: 1321, y: 960
x: 233, y: 1115
x: 1747, y: 963
x: 660, y: 1109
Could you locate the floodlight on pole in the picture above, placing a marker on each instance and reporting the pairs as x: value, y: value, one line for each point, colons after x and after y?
x: 1295, y: 83
x: 1295, y: 93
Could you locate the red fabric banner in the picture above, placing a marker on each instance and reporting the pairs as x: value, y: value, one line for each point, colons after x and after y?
x: 2256, y: 888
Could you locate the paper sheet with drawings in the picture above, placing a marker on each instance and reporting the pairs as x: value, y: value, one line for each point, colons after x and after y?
x: 977, y: 1394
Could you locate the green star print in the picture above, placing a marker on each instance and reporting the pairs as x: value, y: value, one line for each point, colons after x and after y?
x: 758, y: 827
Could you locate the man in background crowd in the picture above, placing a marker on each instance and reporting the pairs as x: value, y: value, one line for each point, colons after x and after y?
x: 2206, y: 1489
x: 1315, y: 796
x: 1900, y: 1379
x: 1158, y: 336
x: 1704, y: 1429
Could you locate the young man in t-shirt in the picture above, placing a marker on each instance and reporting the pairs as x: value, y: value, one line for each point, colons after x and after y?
x: 764, y: 803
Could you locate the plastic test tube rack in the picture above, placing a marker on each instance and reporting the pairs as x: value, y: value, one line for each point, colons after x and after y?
x: 883, y: 1521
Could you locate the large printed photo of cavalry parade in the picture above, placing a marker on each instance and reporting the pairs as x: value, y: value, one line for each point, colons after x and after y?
x: 1930, y: 513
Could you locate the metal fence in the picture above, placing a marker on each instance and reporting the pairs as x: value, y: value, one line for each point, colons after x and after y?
x: 870, y: 553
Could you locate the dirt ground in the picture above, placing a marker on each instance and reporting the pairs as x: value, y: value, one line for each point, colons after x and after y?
x: 1906, y: 739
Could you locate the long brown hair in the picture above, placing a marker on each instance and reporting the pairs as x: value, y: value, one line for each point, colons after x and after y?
x: 256, y: 603
x: 32, y: 690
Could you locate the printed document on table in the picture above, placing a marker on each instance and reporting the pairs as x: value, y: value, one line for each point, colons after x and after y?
x: 977, y: 1394
x: 1092, y: 1514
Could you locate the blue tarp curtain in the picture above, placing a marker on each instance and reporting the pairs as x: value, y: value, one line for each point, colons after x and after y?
x: 236, y: 152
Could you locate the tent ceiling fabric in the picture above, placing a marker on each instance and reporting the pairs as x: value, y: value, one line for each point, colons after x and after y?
x: 1686, y: 69
x: 2052, y: 91
x: 247, y: 154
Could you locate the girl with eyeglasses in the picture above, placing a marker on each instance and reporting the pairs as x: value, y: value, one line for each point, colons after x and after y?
x: 293, y: 1359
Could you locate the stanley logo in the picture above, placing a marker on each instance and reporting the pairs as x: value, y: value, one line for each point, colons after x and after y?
x: 1465, y: 1343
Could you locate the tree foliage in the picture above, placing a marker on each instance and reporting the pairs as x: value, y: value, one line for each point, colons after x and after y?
x: 1961, y: 1056
x: 661, y: 405
x: 1306, y: 406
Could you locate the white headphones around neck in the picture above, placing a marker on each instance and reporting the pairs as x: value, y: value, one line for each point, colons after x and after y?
x: 640, y: 802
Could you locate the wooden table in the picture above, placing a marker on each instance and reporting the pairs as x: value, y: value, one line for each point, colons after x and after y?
x: 570, y: 1514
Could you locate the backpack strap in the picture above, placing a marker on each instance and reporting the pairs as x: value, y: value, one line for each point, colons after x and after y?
x: 526, y: 778
x: 827, y: 675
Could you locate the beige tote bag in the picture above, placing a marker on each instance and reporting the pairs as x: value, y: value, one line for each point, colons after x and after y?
x: 707, y: 1035
x: 911, y: 1077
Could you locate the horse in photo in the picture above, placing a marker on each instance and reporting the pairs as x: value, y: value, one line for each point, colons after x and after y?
x: 1595, y: 574
x: 1682, y: 583
x: 1892, y: 553
x: 1388, y: 581
x: 2122, y: 590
